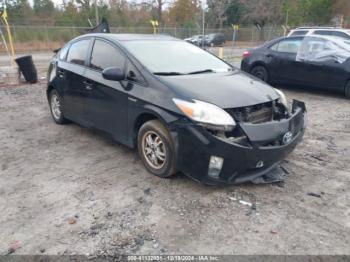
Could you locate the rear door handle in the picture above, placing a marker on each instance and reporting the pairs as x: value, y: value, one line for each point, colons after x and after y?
x: 270, y: 56
x: 88, y: 84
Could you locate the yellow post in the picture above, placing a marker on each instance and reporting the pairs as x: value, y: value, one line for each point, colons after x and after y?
x: 154, y: 24
x: 4, y: 17
x: 221, y: 52
x: 341, y: 21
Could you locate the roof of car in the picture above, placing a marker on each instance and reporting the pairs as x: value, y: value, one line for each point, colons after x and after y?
x: 132, y: 37
x: 321, y: 29
x: 318, y: 27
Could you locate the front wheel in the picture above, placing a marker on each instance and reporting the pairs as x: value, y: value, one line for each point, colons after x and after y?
x: 55, y: 102
x: 156, y: 149
x: 347, y: 90
x: 260, y: 72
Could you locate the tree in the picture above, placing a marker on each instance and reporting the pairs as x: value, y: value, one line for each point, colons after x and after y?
x: 217, y: 12
x: 184, y: 12
x: 69, y: 15
x: 234, y: 12
x: 310, y: 12
x: 262, y: 12
x: 43, y: 8
x: 342, y: 8
x: 158, y: 6
x: 20, y: 12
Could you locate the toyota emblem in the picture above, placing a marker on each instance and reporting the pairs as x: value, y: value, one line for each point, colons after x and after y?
x: 287, y: 138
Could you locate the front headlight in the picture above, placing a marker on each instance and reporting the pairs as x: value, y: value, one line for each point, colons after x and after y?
x: 283, y: 98
x: 206, y: 114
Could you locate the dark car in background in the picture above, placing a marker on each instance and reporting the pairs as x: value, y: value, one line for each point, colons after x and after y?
x: 191, y: 112
x: 311, y: 61
x: 217, y: 39
x: 195, y: 40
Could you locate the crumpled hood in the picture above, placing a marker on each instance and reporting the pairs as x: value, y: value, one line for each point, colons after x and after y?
x: 226, y: 90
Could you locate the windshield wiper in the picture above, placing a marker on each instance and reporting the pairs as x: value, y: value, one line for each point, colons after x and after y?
x: 168, y: 73
x: 202, y: 72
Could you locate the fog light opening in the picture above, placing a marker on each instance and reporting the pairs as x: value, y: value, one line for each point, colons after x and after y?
x: 215, y: 166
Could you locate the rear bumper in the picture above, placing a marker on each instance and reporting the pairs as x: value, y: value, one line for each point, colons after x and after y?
x: 241, y: 164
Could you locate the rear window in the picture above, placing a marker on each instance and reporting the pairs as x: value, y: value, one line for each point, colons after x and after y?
x: 78, y: 51
x: 299, y: 32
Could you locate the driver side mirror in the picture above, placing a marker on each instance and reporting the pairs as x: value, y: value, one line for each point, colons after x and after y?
x: 113, y: 73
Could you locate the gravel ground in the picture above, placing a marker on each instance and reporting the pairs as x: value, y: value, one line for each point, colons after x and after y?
x: 71, y: 190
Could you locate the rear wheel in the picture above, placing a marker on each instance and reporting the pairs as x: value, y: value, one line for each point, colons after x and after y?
x: 347, y: 89
x: 260, y: 72
x: 156, y: 149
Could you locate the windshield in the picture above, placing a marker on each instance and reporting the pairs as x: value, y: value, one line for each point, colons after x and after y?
x: 174, y: 57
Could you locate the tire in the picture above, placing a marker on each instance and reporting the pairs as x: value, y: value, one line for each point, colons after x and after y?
x: 347, y: 90
x: 158, y: 159
x: 55, y: 102
x: 260, y: 72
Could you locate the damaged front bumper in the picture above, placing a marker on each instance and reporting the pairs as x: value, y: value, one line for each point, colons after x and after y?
x: 268, y: 144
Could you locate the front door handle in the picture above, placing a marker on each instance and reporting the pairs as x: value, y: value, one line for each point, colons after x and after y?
x: 88, y: 84
x: 60, y: 73
x: 270, y: 56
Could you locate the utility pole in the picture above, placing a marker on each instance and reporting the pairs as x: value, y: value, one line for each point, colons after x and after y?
x: 96, y: 13
x: 203, y: 25
x: 287, y: 17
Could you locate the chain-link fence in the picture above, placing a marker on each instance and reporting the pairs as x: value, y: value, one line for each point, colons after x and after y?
x: 41, y: 38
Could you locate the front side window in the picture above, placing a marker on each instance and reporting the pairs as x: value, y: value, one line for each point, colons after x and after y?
x: 133, y: 74
x: 174, y: 57
x: 105, y: 55
x: 78, y: 51
x: 287, y: 46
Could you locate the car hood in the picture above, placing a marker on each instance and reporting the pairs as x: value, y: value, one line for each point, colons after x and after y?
x: 226, y: 90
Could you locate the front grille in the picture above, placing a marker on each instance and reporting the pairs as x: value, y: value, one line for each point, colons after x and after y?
x: 256, y: 114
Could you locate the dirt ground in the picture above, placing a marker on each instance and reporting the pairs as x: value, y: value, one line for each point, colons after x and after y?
x: 71, y: 190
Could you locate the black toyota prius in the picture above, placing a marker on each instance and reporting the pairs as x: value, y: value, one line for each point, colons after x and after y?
x: 183, y: 108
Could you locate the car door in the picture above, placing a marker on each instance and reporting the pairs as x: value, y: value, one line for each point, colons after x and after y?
x: 281, y: 60
x: 71, y: 72
x: 107, y: 99
x: 320, y: 62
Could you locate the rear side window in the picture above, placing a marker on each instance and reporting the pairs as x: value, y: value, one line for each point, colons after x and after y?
x: 78, y: 51
x: 287, y: 46
x: 332, y: 33
x: 105, y: 55
x: 299, y: 32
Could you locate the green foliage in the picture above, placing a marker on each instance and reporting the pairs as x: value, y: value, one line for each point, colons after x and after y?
x: 181, y: 13
x: 234, y: 12
x: 310, y: 12
x: 43, y: 8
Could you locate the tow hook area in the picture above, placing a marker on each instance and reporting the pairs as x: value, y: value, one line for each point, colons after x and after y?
x: 275, y: 175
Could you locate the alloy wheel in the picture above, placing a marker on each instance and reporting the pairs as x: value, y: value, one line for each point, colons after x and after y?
x: 56, y: 106
x: 154, y: 150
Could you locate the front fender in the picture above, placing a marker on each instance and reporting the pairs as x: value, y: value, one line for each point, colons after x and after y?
x: 139, y: 113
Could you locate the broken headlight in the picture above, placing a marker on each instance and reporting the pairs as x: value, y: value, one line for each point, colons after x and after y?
x: 283, y: 98
x: 208, y: 115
